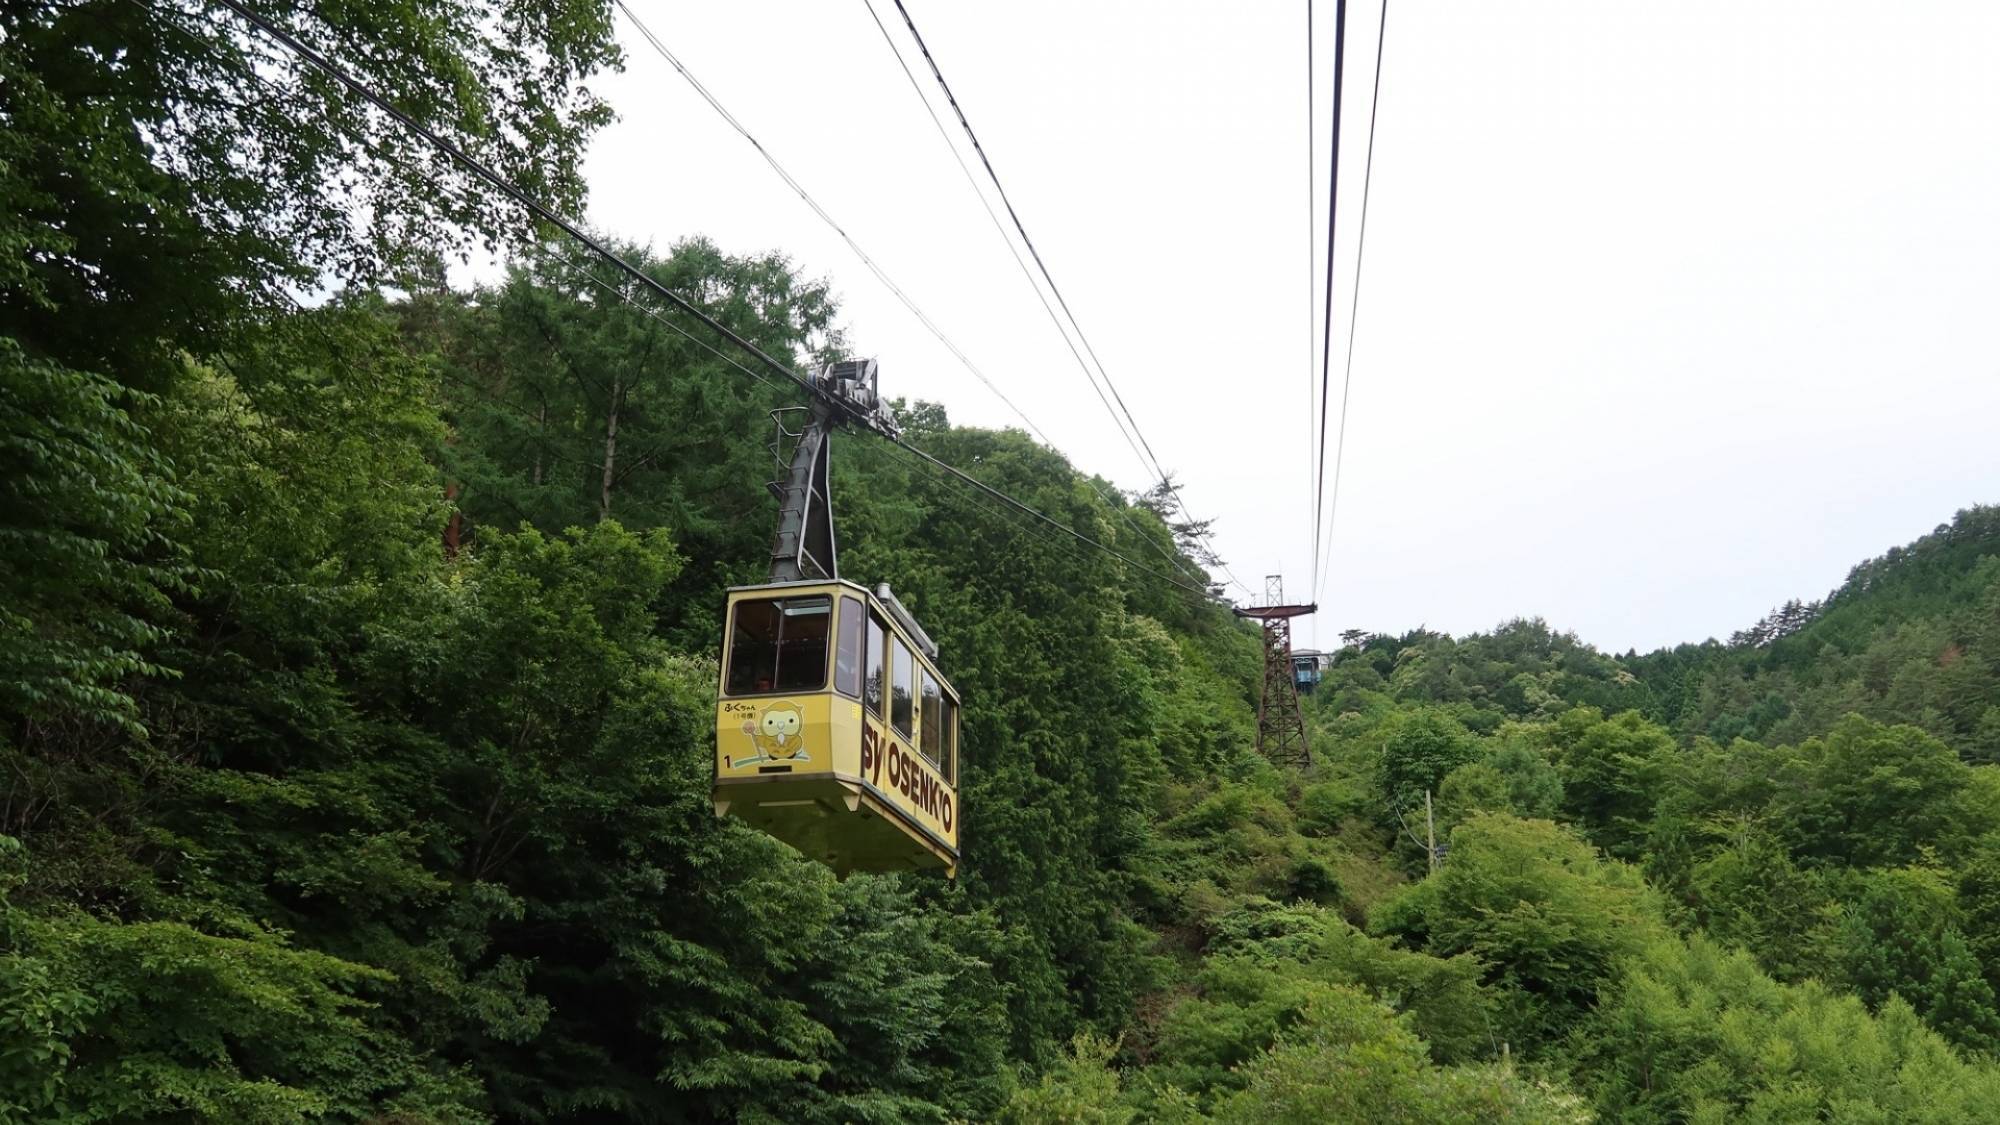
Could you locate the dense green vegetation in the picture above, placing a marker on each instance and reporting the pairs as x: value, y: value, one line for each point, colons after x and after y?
x: 356, y: 707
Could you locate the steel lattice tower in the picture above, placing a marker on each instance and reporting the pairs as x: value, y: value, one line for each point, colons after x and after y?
x: 1281, y: 723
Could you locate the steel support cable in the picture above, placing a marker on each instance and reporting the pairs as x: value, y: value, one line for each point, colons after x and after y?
x: 660, y: 48
x: 927, y: 462
x: 1054, y: 289
x: 1326, y: 321
x: 1312, y: 279
x: 924, y: 459
x: 1354, y: 308
x: 976, y: 502
x: 1000, y: 227
x: 1021, y: 228
x: 1017, y: 505
x: 483, y: 172
x: 938, y: 468
x: 867, y: 260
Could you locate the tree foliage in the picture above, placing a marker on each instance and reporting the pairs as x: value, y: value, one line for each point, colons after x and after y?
x: 357, y: 642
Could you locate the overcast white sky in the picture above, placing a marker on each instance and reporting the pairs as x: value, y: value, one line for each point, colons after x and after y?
x: 1671, y: 311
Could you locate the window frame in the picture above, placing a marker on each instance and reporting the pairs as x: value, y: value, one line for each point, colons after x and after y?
x: 902, y: 654
x: 930, y: 715
x: 875, y: 643
x: 850, y: 607
x: 948, y: 747
x: 777, y: 663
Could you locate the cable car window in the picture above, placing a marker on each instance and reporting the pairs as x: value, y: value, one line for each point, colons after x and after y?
x: 847, y: 653
x: 899, y: 688
x: 780, y: 645
x: 948, y: 744
x: 877, y: 652
x: 933, y: 716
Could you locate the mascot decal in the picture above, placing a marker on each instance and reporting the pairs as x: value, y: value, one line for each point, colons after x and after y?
x: 778, y: 736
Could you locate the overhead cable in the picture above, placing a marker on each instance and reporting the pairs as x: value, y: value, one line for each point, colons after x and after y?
x: 975, y: 500
x: 1061, y: 330
x: 660, y: 48
x: 866, y: 259
x: 1326, y: 320
x: 1017, y: 505
x: 1312, y: 279
x: 543, y: 212
x: 1354, y: 309
x: 930, y: 462
x: 978, y: 149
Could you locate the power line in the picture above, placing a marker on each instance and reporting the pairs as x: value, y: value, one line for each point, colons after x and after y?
x: 487, y: 174
x: 868, y: 260
x: 1326, y: 323
x: 980, y: 150
x: 1354, y: 309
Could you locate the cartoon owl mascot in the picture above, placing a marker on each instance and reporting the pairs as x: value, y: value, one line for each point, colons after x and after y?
x: 778, y: 736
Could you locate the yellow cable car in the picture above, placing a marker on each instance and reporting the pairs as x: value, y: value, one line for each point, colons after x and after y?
x: 834, y: 731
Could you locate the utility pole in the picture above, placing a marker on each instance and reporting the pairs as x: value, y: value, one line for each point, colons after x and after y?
x: 1430, y: 833
x: 1281, y: 723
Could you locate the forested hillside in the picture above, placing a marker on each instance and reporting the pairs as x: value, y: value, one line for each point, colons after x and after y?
x: 1909, y: 637
x: 357, y: 676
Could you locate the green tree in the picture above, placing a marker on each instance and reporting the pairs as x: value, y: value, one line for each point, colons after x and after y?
x: 1898, y: 933
x: 1419, y: 749
x: 1548, y: 918
x: 1699, y: 1034
x: 1350, y: 1059
x: 1870, y: 795
x: 1442, y: 998
x: 89, y: 511
x: 1081, y: 1089
x: 1978, y: 894
x: 1610, y: 770
x: 164, y: 178
x: 1534, y: 787
x: 1748, y: 893
x: 572, y: 400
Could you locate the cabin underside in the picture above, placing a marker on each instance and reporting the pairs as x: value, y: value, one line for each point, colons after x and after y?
x: 835, y: 821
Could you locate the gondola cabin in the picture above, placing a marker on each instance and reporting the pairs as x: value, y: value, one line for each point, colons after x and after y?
x: 1306, y: 664
x: 834, y: 731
